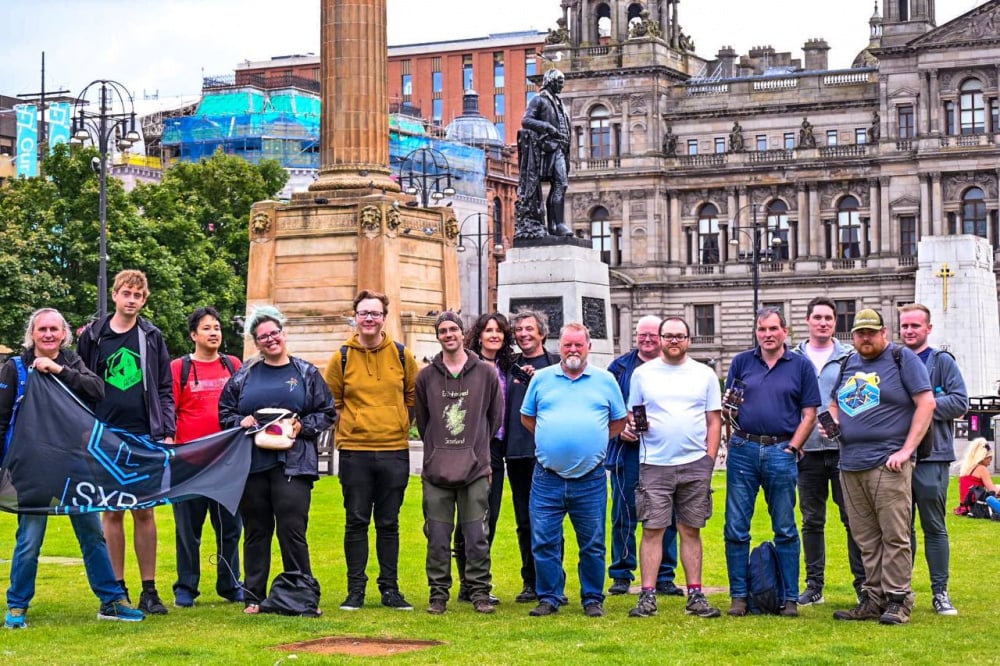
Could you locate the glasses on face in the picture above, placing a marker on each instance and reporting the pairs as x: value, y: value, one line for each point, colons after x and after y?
x: 647, y: 336
x: 266, y: 337
x: 672, y: 337
x: 369, y: 315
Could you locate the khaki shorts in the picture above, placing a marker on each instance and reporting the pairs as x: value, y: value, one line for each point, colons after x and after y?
x: 684, y: 490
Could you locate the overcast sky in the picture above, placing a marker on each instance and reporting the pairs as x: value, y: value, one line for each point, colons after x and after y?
x: 165, y: 46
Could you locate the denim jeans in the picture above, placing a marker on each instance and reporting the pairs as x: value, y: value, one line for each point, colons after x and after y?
x: 585, y: 500
x: 24, y: 567
x: 189, y: 518
x: 374, y: 484
x: 930, y: 500
x: 624, y: 522
x: 750, y: 467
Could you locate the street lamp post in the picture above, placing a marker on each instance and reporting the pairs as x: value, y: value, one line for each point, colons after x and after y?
x: 423, y: 171
x: 480, y: 239
x: 106, y: 123
x: 757, y: 235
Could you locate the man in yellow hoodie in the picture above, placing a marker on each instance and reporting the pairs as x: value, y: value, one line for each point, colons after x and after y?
x: 372, y: 379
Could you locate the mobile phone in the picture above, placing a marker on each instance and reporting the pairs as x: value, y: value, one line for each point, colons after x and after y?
x: 518, y: 373
x: 831, y: 427
x: 734, y: 395
x: 639, y: 417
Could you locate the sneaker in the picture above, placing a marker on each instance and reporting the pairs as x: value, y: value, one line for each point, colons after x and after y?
x: 790, y: 609
x: 485, y: 606
x: 437, y: 606
x: 668, y: 589
x: 811, y: 596
x: 896, y: 612
x: 16, y: 618
x: 698, y: 605
x: 527, y: 595
x: 354, y: 601
x: 738, y: 607
x: 183, y: 598
x: 620, y: 586
x: 149, y: 603
x: 393, y: 599
x: 595, y: 609
x: 237, y: 596
x: 543, y: 609
x: 942, y: 604
x: 646, y: 606
x: 120, y: 611
x: 865, y: 610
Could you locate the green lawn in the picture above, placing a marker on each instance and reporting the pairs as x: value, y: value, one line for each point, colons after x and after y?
x: 63, y: 628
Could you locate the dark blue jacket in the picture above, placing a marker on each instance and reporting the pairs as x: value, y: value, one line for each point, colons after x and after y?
x: 951, y: 400
x: 620, y: 452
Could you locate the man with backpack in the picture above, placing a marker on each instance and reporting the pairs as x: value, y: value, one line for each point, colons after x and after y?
x: 198, y: 379
x: 931, y: 474
x: 884, y: 405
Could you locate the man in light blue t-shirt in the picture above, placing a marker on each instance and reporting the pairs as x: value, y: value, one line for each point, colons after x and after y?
x: 573, y: 409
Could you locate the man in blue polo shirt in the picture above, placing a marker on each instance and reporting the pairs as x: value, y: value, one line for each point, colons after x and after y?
x: 573, y: 409
x: 769, y: 428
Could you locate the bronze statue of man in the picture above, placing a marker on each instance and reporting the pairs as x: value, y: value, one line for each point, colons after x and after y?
x: 543, y: 156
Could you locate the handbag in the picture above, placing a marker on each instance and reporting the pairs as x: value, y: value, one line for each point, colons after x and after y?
x: 274, y: 429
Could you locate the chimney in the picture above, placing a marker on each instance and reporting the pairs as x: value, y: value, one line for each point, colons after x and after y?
x: 816, y: 54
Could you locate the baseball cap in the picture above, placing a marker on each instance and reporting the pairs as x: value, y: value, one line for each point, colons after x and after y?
x: 867, y: 319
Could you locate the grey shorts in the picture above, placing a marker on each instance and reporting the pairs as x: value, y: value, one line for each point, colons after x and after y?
x: 684, y: 489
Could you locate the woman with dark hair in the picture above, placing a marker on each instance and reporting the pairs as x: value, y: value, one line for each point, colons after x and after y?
x: 279, y: 488
x: 492, y: 339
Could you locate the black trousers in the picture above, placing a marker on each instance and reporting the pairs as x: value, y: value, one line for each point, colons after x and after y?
x: 189, y: 519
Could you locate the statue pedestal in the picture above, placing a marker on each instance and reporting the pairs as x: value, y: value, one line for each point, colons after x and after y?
x: 565, y: 279
x: 963, y: 305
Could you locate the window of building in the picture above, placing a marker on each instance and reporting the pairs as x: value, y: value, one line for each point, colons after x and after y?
x: 407, y: 86
x: 949, y: 118
x: 905, y: 116
x: 693, y: 147
x: 437, y: 111
x: 528, y: 96
x: 704, y: 321
x: 437, y: 82
x: 860, y: 135
x: 761, y: 142
x: 789, y: 140
x: 904, y: 10
x: 972, y: 113
x: 602, y: 237
x: 848, y: 229
x: 498, y: 76
x: 708, y: 235
x: 497, y: 221
x: 467, y: 72
x: 777, y: 222
x: 845, y: 317
x: 499, y: 105
x: 720, y: 144
x: 501, y: 128
x: 994, y: 116
x: 907, y: 236
x: 530, y: 64
x: 831, y: 137
x: 600, y: 133
x: 974, y: 212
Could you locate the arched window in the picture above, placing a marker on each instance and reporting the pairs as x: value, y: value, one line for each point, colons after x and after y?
x: 972, y: 112
x: 497, y: 221
x: 974, y: 212
x: 600, y: 133
x: 708, y: 235
x: 777, y: 223
x: 601, y: 237
x: 603, y: 16
x: 848, y: 229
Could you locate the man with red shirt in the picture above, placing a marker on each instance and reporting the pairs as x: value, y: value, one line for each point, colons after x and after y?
x: 198, y: 380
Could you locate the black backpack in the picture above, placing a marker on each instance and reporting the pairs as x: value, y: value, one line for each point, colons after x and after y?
x: 224, y: 359
x: 293, y: 593
x: 975, y: 503
x: 767, y: 585
x: 400, y: 349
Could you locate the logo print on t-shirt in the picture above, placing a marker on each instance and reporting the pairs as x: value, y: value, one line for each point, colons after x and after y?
x: 123, y: 371
x: 454, y: 418
x: 859, y: 394
x: 292, y: 383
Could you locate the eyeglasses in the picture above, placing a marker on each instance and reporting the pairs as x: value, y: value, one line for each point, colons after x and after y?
x: 647, y: 336
x: 265, y: 337
x: 369, y: 315
x: 670, y: 337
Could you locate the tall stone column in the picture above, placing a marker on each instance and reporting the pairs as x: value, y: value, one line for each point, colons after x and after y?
x: 354, y: 71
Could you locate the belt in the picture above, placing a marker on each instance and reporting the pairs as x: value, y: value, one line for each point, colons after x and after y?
x: 763, y: 440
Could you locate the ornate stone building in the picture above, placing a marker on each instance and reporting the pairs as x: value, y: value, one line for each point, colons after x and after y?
x: 688, y: 173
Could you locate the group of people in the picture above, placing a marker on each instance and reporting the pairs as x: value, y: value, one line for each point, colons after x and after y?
x: 555, y: 426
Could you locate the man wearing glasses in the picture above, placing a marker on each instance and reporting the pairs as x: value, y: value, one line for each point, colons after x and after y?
x: 372, y: 379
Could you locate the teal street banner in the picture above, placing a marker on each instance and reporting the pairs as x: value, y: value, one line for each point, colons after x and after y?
x: 27, y: 140
x: 60, y: 115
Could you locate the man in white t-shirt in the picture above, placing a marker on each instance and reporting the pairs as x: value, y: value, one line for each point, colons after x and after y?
x: 682, y: 402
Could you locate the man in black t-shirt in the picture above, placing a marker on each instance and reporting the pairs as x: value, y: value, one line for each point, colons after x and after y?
x: 129, y: 353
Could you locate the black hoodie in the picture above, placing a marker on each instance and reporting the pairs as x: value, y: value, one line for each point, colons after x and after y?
x: 456, y: 417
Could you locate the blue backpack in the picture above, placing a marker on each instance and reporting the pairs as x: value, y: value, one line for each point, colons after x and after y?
x: 767, y: 586
x: 22, y: 379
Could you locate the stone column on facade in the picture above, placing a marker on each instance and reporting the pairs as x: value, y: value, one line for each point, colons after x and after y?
x: 935, y: 103
x: 675, y: 35
x: 354, y: 71
x: 624, y: 134
x: 674, y: 227
x: 925, y: 206
x: 732, y: 209
x: 816, y: 233
x: 923, y: 109
x: 804, y: 227
x: 874, y: 220
x: 937, y: 209
x: 625, y: 327
x: 890, y: 241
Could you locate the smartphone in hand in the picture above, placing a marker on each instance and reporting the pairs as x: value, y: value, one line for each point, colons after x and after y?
x: 734, y: 395
x: 639, y: 417
x: 830, y: 427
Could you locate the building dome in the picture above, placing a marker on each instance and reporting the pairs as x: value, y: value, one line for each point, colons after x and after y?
x: 472, y: 128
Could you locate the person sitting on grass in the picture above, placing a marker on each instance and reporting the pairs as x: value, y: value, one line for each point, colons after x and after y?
x: 975, y: 471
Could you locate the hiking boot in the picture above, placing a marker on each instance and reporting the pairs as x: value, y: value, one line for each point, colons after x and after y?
x: 790, y: 609
x: 620, y: 586
x: 150, y: 603
x: 543, y: 609
x: 738, y: 607
x: 595, y: 609
x: 698, y: 605
x: 527, y: 595
x: 393, y: 599
x: 866, y: 609
x: 646, y: 606
x: 668, y: 589
x: 437, y: 606
x: 354, y: 601
x: 485, y: 606
x: 183, y: 598
x: 811, y: 596
x: 17, y: 618
x: 942, y: 604
x: 120, y: 611
x: 896, y: 611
